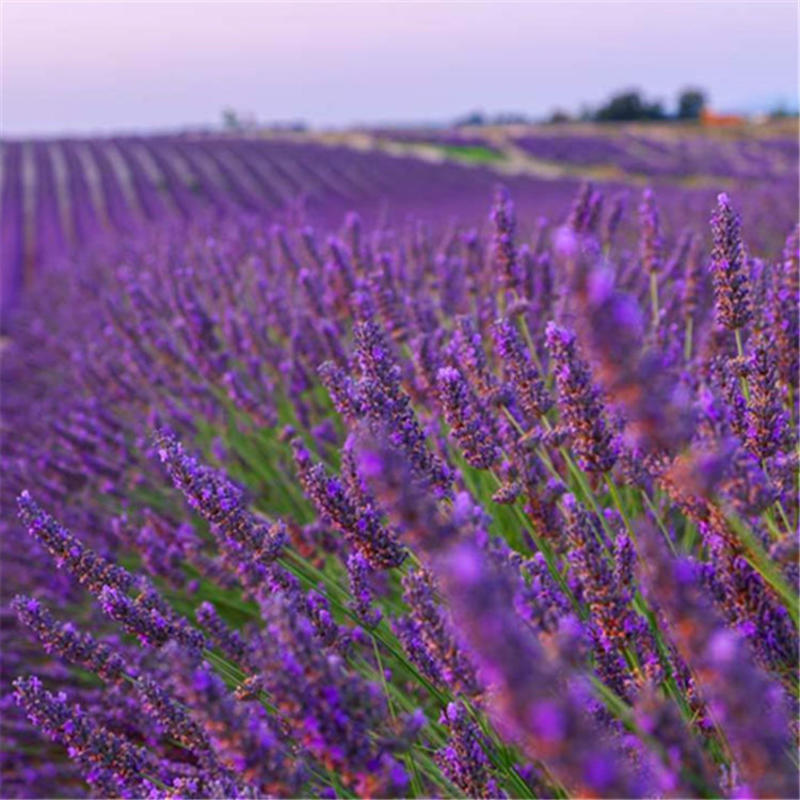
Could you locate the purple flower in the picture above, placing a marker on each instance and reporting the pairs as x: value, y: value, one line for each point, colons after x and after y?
x: 228, y: 640
x: 342, y: 390
x: 358, y: 571
x: 119, y: 761
x: 729, y: 267
x: 470, y: 422
x: 614, y: 218
x: 216, y: 499
x: 386, y: 404
x: 650, y: 245
x: 146, y: 617
x: 529, y: 389
x: 747, y: 705
x: 469, y: 356
x: 64, y: 640
x: 433, y: 630
x: 765, y: 421
x: 358, y: 522
x: 463, y: 760
x: 503, y: 248
x: 784, y: 298
x: 92, y: 570
x: 580, y: 407
x: 581, y: 209
x: 174, y: 719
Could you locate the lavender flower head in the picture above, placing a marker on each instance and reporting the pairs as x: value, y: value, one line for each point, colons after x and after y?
x: 651, y: 244
x: 729, y: 267
x: 220, y: 502
x: 580, y: 406
x: 528, y: 386
x: 67, y: 642
x: 96, y: 748
x: 504, y: 250
x: 471, y: 425
x: 463, y: 760
x: 91, y: 569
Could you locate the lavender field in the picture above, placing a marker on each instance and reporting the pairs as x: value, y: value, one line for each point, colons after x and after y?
x: 336, y: 471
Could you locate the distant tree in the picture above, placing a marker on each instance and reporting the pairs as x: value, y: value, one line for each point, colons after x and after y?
x: 509, y: 118
x: 691, y: 103
x: 230, y: 120
x: 233, y: 120
x: 473, y: 118
x: 289, y: 126
x: 782, y: 112
x: 559, y: 115
x: 629, y: 106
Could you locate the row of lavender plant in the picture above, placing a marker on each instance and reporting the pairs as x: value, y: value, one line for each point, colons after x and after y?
x: 674, y: 155
x: 58, y: 196
x: 384, y: 515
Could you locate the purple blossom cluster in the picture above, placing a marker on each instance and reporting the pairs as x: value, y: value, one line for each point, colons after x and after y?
x: 412, y: 510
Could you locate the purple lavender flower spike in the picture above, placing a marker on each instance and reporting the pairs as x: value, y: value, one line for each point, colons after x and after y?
x: 541, y: 602
x: 433, y: 631
x: 386, y: 404
x: 228, y: 640
x: 580, y: 406
x: 784, y: 300
x: 749, y: 707
x: 765, y: 420
x: 642, y: 382
x: 729, y: 267
x: 606, y: 587
x: 64, y: 640
x: 469, y: 421
x: 216, y: 499
x: 651, y: 245
x: 91, y: 569
x: 151, y: 625
x: 342, y: 390
x: 333, y: 711
x: 528, y: 386
x: 359, y: 523
x: 614, y: 218
x: 385, y: 470
x: 358, y: 570
x: 687, y: 769
x: 88, y: 743
x: 463, y: 760
x: 580, y: 210
x: 469, y: 355
x: 179, y: 724
x: 504, y: 249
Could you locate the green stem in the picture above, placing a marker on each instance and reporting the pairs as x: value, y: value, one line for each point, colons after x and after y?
x: 687, y: 342
x: 740, y: 352
x: 657, y: 518
x: 612, y: 488
x: 761, y: 562
x: 654, y: 297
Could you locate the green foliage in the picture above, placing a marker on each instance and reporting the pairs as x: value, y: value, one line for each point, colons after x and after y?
x: 691, y: 103
x: 629, y: 106
x: 478, y: 154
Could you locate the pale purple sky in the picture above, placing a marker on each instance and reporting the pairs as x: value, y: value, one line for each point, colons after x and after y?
x: 104, y: 66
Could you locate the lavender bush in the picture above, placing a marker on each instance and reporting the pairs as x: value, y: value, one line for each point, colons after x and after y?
x: 373, y: 510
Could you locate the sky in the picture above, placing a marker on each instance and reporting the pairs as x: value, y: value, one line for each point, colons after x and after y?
x: 84, y: 67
